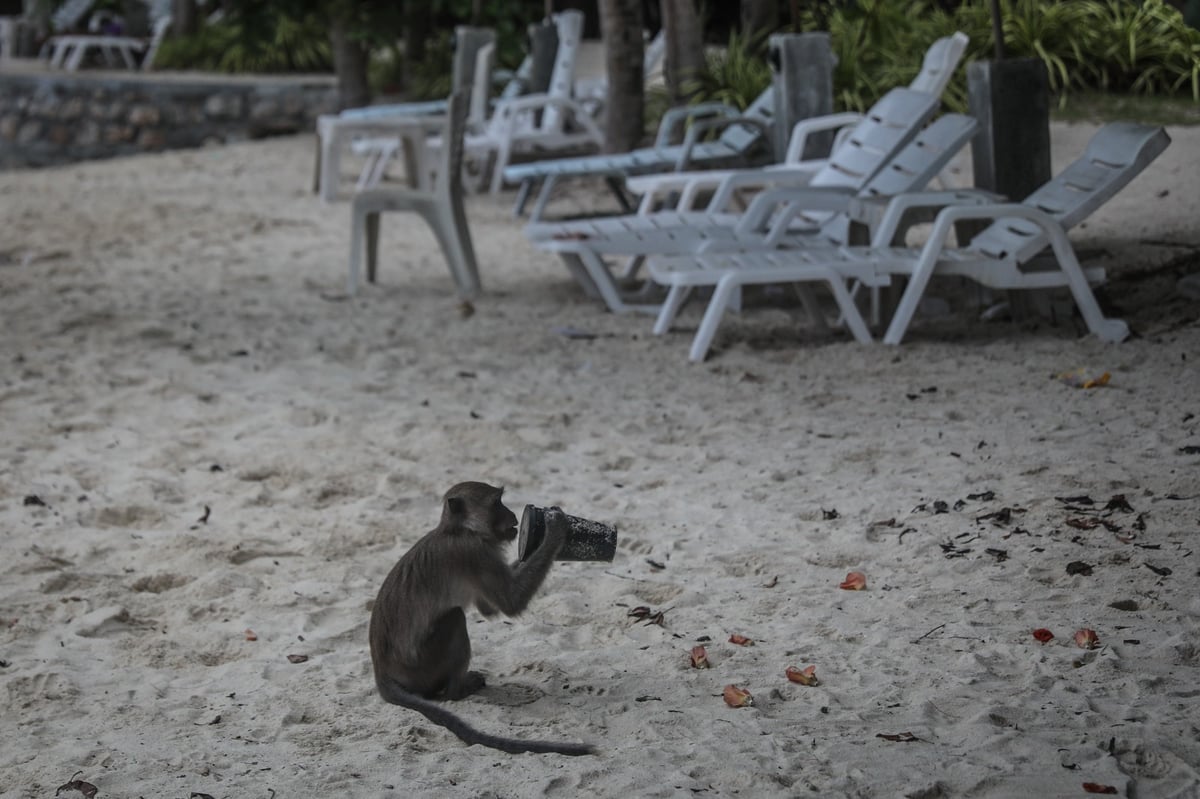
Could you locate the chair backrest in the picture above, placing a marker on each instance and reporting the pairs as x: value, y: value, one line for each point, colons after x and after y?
x: 911, y: 169
x: 481, y: 86
x: 468, y: 41
x: 889, y: 125
x: 448, y: 180
x: 562, y: 79
x: 941, y: 59
x: 923, y: 158
x: 1116, y: 154
x: 740, y: 138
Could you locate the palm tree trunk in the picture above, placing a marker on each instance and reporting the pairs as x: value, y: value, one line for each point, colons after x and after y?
x: 621, y: 23
x: 350, y: 64
x: 685, y: 47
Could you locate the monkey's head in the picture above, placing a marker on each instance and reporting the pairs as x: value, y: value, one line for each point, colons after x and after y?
x: 478, y: 507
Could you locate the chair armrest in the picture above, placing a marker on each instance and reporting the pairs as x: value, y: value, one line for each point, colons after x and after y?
x: 681, y: 115
x: 813, y: 125
x: 866, y: 209
x: 765, y: 208
x: 507, y: 110
x: 773, y: 176
x: 706, y: 125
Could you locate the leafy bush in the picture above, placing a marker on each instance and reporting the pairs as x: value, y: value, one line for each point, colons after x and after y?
x: 250, y: 44
x: 1116, y: 45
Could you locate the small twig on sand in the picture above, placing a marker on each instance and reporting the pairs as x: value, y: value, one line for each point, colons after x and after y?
x: 926, y: 635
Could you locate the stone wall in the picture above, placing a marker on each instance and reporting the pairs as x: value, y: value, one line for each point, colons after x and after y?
x: 52, y: 117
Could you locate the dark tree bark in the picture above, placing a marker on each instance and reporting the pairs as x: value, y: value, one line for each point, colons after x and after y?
x: 759, y: 18
x: 350, y: 64
x: 624, y: 116
x: 685, y: 47
x: 418, y: 29
x: 184, y: 19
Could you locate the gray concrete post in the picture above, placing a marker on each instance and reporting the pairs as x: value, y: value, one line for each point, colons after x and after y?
x: 1011, y: 152
x: 467, y: 41
x: 802, y: 73
x: 1011, y: 101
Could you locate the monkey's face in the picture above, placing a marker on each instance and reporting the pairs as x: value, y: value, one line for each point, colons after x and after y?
x: 504, y: 521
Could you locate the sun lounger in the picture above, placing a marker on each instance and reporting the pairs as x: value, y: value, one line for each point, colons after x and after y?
x: 866, y: 164
x: 1010, y: 253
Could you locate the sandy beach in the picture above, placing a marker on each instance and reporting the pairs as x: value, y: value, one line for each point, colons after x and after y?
x: 211, y: 456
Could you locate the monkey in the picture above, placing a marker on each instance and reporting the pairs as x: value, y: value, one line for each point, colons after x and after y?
x: 420, y: 650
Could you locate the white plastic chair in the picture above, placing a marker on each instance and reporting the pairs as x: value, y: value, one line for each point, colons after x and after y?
x: 1005, y: 255
x: 441, y: 207
x: 937, y: 67
x: 69, y: 50
x: 880, y: 139
x: 546, y: 123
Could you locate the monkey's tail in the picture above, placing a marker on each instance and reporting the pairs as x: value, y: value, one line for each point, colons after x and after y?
x: 396, y: 694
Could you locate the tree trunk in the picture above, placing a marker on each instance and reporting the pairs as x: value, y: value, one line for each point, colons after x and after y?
x: 624, y: 118
x: 685, y: 47
x: 350, y: 64
x: 184, y: 19
x: 759, y: 18
x: 418, y: 30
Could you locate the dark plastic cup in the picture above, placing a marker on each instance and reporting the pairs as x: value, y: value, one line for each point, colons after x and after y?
x: 586, y: 540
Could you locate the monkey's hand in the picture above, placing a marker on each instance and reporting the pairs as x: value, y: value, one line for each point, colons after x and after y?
x: 557, y: 529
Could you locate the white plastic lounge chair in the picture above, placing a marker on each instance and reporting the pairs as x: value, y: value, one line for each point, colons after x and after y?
x: 1005, y: 255
x: 372, y: 124
x: 441, y: 208
x: 937, y: 67
x: 742, y: 139
x: 857, y: 167
x: 536, y: 123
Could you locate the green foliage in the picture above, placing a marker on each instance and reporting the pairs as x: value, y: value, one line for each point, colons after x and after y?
x: 430, y: 79
x: 508, y: 18
x: 735, y: 75
x: 1116, y: 45
x: 253, y: 43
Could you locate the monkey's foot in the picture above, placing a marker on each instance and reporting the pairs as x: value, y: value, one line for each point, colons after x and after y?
x: 470, y: 683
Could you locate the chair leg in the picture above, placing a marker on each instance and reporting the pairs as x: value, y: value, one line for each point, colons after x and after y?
x: 317, y: 166
x: 539, y: 207
x: 712, y: 318
x: 1106, y: 329
x: 503, y: 154
x: 522, y: 197
x: 912, y: 296
x: 607, y: 287
x: 357, y: 232
x: 372, y: 231
x: 618, y: 189
x: 676, y: 297
x: 330, y: 165
x: 845, y: 301
x: 456, y: 247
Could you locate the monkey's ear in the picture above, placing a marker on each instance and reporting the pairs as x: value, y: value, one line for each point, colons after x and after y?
x: 456, y: 506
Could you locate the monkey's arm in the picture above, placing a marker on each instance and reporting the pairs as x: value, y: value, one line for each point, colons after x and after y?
x: 509, y: 588
x: 484, y: 608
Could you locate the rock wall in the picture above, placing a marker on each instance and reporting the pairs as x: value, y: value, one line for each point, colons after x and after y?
x: 51, y: 118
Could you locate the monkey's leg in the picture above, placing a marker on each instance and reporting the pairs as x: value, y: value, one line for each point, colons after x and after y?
x: 450, y: 648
